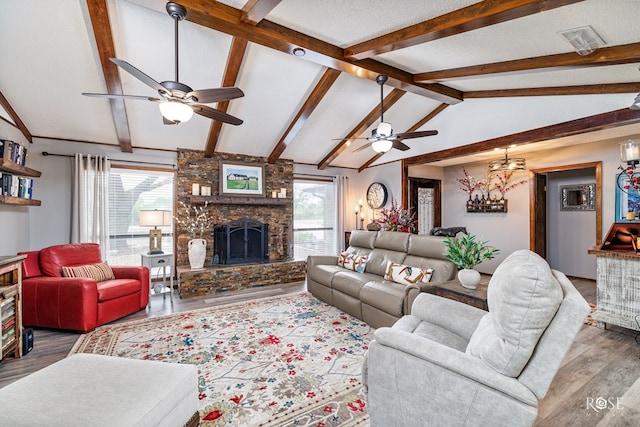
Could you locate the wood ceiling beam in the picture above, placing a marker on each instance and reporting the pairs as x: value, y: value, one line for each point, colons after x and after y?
x: 226, y: 19
x: 256, y: 10
x: 473, y: 17
x: 370, y: 118
x: 612, y: 119
x: 614, y: 55
x: 558, y: 90
x: 326, y: 81
x: 16, y: 119
x: 231, y: 72
x: 413, y: 128
x: 106, y: 49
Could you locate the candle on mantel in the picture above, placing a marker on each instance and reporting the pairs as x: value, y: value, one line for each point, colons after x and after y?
x: 362, y: 215
x: 356, y: 208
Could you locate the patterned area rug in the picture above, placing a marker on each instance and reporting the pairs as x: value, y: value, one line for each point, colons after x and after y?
x: 279, y: 361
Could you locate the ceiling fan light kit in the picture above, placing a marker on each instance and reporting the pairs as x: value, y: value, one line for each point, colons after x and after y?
x: 175, y: 111
x: 382, y: 145
x: 178, y: 101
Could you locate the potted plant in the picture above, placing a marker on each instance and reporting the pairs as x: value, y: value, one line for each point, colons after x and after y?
x: 467, y: 252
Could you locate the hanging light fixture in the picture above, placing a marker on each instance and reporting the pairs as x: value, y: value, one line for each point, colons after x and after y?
x: 507, y: 163
x: 630, y: 152
x: 176, y: 112
x: 636, y: 103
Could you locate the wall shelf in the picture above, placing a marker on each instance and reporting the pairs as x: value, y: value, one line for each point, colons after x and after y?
x: 231, y: 200
x: 13, y: 168
x: 9, y: 200
x: 487, y: 207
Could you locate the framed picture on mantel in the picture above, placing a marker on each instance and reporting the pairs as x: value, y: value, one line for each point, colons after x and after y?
x: 241, y: 179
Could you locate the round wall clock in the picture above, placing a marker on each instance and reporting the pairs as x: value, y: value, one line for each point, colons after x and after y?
x: 376, y: 195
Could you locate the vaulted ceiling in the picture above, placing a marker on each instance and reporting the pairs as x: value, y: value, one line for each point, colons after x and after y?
x: 483, y: 74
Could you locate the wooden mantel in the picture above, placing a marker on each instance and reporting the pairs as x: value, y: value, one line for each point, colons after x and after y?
x: 233, y: 200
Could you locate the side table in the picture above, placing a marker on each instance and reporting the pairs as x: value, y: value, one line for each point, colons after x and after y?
x: 159, y: 260
x: 455, y: 291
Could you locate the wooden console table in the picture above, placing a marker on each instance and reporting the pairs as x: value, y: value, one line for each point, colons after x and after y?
x: 618, y: 288
x: 455, y: 291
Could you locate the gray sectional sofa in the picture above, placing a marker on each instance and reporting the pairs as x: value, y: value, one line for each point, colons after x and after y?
x: 367, y: 295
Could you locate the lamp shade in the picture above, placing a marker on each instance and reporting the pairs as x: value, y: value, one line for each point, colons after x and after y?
x: 155, y: 218
x: 381, y: 145
x: 176, y: 111
x: 630, y: 151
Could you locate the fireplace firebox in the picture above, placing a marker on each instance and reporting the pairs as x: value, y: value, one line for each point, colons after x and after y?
x: 245, y: 240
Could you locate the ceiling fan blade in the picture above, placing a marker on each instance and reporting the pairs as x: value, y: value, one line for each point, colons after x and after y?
x: 367, y: 145
x: 109, y: 95
x: 346, y: 139
x: 214, y: 114
x: 400, y: 145
x: 420, y: 134
x: 207, y: 96
x: 138, y: 74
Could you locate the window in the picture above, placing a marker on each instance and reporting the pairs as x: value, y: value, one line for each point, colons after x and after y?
x: 131, y: 190
x: 314, y: 218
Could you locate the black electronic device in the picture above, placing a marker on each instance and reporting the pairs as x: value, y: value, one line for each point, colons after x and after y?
x: 27, y: 340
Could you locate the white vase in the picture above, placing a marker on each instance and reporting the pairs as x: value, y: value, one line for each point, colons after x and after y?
x: 197, y: 252
x: 469, y: 278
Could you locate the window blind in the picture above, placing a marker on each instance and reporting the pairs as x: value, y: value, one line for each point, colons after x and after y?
x: 132, y: 190
x: 314, y: 215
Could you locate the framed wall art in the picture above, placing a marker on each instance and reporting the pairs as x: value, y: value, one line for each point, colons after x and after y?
x: 241, y: 179
x: 627, y: 200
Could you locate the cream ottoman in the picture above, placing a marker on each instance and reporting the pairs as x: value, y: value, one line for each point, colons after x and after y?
x: 92, y: 390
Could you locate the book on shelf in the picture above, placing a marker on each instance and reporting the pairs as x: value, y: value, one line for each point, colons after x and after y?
x: 13, y: 151
x: 16, y: 186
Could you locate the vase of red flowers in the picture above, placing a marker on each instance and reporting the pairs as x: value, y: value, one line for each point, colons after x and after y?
x: 398, y: 219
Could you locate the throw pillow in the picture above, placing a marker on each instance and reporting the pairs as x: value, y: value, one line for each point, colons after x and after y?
x: 343, y: 257
x: 406, y: 274
x: 98, y: 272
x: 356, y: 263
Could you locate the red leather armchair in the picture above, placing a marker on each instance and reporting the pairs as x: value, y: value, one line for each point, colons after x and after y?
x: 77, y: 303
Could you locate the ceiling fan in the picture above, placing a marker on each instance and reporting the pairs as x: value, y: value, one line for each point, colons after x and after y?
x: 177, y: 101
x: 382, y: 138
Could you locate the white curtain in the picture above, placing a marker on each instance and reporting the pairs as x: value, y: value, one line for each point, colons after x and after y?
x: 90, y: 201
x: 342, y: 189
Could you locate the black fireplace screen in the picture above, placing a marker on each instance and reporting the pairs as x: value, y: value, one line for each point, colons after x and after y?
x: 241, y: 241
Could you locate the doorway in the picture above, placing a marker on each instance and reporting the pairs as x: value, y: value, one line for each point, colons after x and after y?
x: 425, y: 200
x: 539, y: 180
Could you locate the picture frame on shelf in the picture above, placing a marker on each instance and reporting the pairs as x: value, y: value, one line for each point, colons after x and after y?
x: 626, y: 201
x: 241, y: 179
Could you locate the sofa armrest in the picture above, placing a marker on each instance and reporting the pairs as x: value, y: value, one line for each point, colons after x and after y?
x: 412, y: 292
x: 139, y: 273
x: 448, y: 361
x: 457, y: 317
x: 60, y: 302
x: 321, y: 260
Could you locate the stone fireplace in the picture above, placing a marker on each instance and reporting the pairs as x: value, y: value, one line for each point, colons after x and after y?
x: 245, y: 240
x: 269, y: 261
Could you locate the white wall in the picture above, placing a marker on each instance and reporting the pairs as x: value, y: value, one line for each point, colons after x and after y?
x: 510, y: 231
x: 570, y: 233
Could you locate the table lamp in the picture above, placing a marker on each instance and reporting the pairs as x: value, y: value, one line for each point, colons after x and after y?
x: 155, y: 218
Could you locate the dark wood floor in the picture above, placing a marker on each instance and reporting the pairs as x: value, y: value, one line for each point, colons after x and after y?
x: 601, y: 364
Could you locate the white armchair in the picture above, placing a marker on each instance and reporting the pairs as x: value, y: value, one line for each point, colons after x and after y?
x: 450, y: 364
